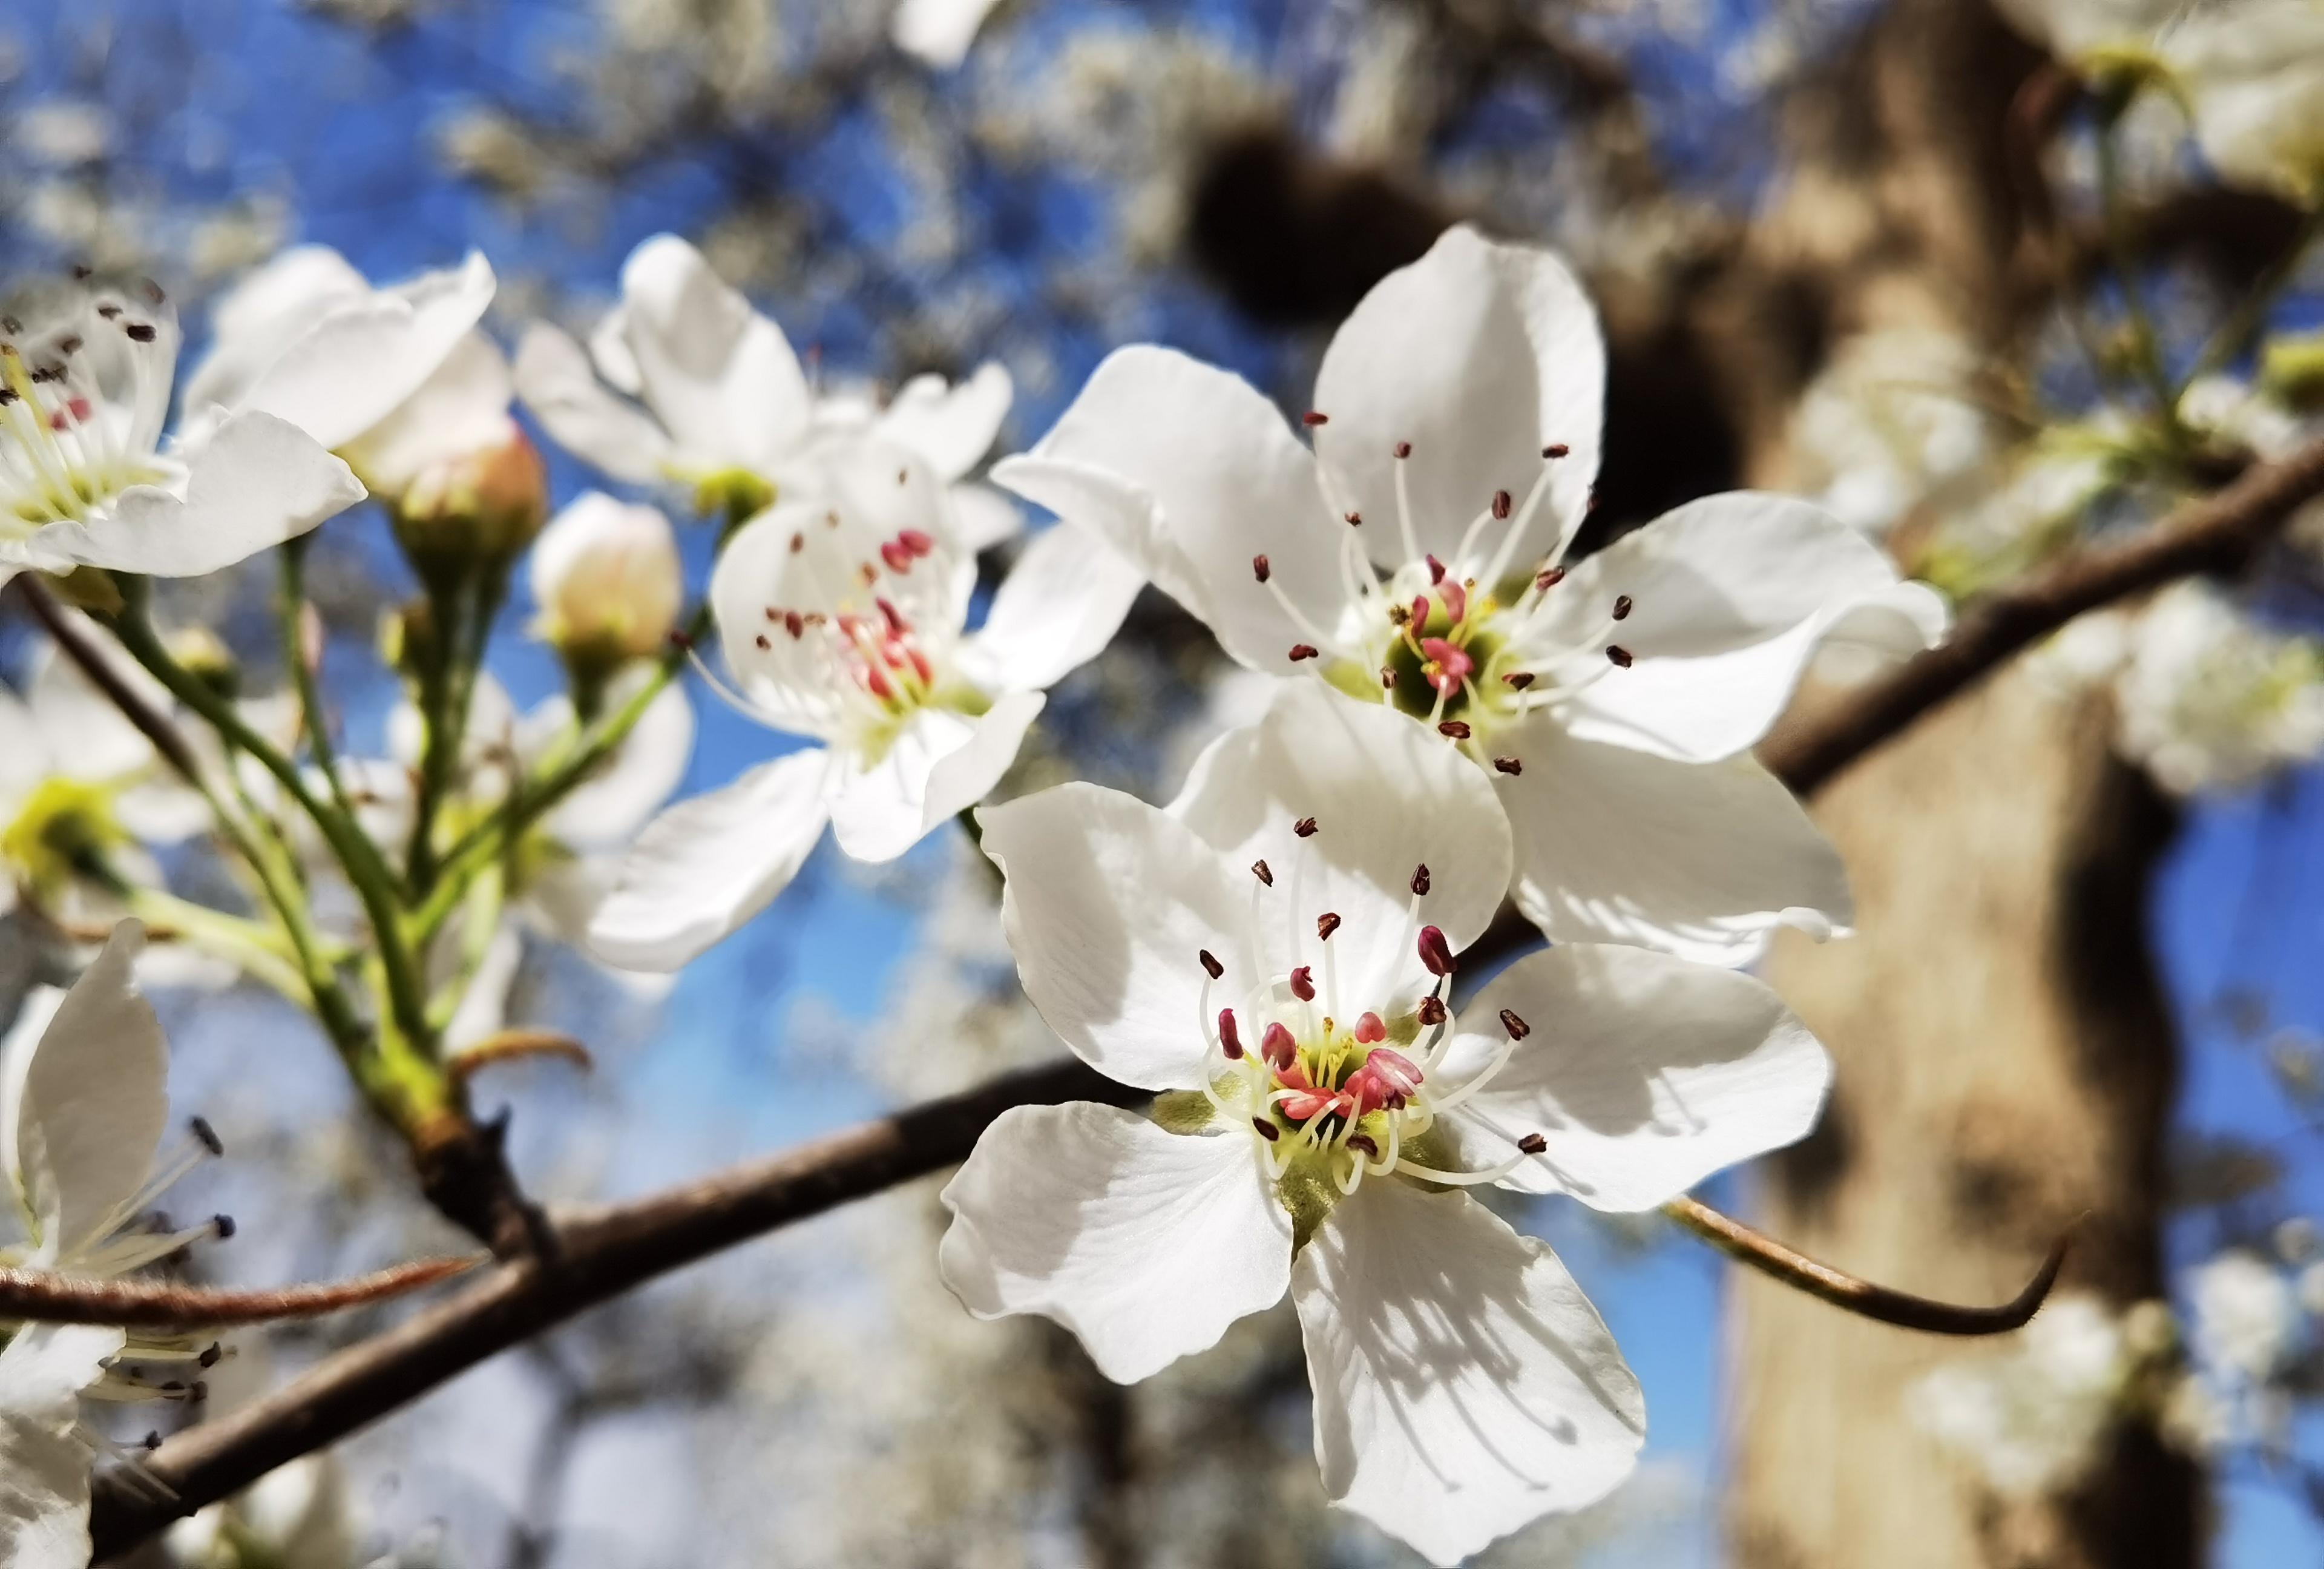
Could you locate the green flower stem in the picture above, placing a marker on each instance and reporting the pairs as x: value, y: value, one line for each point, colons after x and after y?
x: 258, y: 950
x: 290, y: 610
x: 460, y: 615
x: 358, y: 857
x: 556, y: 779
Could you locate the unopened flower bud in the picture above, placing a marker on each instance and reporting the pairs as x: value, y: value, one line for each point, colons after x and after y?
x: 606, y: 577
x: 483, y: 506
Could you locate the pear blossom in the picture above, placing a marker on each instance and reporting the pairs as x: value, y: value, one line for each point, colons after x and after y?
x: 86, y: 371
x: 1271, y: 954
x: 1887, y: 423
x: 393, y: 379
x: 83, y: 1106
x: 684, y: 383
x: 297, y: 1516
x: 2246, y: 1313
x: 2252, y: 77
x: 843, y: 616
x: 1417, y: 557
x: 607, y: 580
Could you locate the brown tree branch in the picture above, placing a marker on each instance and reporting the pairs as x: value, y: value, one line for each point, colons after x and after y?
x: 38, y: 1297
x: 605, y: 1252
x: 73, y: 640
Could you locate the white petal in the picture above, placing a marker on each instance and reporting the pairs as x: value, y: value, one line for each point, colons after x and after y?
x: 1059, y: 606
x: 952, y: 427
x: 554, y: 378
x: 1190, y: 473
x: 461, y: 410
x: 1388, y: 797
x: 1479, y: 356
x: 256, y: 482
x: 24, y: 756
x: 1731, y: 595
x: 78, y: 721
x: 711, y: 862
x: 937, y: 33
x: 253, y: 323
x: 982, y: 516
x: 82, y: 1107
x: 1464, y: 1386
x: 1107, y: 903
x: 483, y: 1009
x: 645, y: 771
x: 44, y: 1460
x: 352, y: 368
x: 1145, y: 1244
x: 1704, y: 860
x: 722, y: 378
x: 938, y: 767
x: 1645, y: 1074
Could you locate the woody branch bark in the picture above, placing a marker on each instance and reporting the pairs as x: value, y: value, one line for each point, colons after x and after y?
x: 603, y: 1253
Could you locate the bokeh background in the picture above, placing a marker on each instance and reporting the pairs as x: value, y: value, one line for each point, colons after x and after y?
x: 1753, y: 188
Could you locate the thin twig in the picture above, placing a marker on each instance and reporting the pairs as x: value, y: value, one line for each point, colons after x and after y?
x: 73, y: 640
x: 511, y: 1045
x: 38, y: 1297
x: 1862, y: 1298
x: 602, y: 1254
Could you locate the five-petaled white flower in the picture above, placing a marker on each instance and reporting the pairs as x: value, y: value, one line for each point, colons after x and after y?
x: 1271, y: 953
x: 82, y: 1107
x: 844, y: 617
x: 1417, y: 556
x: 684, y: 383
x: 84, y: 375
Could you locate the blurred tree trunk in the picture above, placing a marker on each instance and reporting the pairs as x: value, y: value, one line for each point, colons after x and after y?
x: 2006, y: 1057
x: 2006, y: 1067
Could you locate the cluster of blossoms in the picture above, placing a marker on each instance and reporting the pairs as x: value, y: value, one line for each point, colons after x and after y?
x: 1465, y: 711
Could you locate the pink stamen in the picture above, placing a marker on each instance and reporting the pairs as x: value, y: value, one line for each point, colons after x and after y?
x: 1448, y: 665
x: 1278, y: 1049
x: 1230, y: 1038
x: 917, y: 543
x: 1369, y: 1030
x: 1434, y: 951
x: 1456, y: 601
x: 1303, y: 984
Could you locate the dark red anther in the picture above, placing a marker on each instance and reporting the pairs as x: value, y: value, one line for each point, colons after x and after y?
x: 1403, y: 449
x: 679, y: 639
x: 798, y: 543
x: 1501, y: 505
x: 1211, y: 963
x: 896, y: 625
x: 916, y: 542
x: 1312, y: 419
x: 1387, y: 679
x: 1532, y: 1144
x: 1326, y: 923
x: 1305, y: 827
x: 764, y: 645
x: 1549, y: 579
x: 1265, y: 873
x: 1435, y: 952
x: 1420, y: 878
x: 1302, y: 651
x: 1508, y: 765
x: 1353, y: 520
x: 1303, y: 984
x: 1518, y: 1027
x: 1619, y: 655
x: 140, y: 332
x: 1622, y: 607
x: 1556, y: 450
x: 794, y: 623
x: 1230, y: 1038
x: 1432, y: 1009
x: 1259, y: 568
x: 1277, y: 1048
x: 1266, y: 1129
x: 1517, y: 680
x: 1453, y: 729
x: 1362, y: 1144
x: 1435, y: 570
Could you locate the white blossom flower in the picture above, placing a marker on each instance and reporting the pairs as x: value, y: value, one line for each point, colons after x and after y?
x: 684, y: 383
x: 937, y: 33
x: 1889, y: 421
x: 295, y: 1516
x: 2031, y: 1419
x: 844, y: 617
x: 83, y: 1105
x: 2244, y: 1315
x: 1270, y: 953
x: 1416, y: 557
x: 2076, y: 30
x: 2206, y: 698
x: 607, y: 580
x: 85, y: 377
x: 2253, y: 76
x: 393, y: 379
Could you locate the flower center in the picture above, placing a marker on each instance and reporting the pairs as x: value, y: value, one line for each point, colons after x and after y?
x: 64, y: 826
x: 82, y: 399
